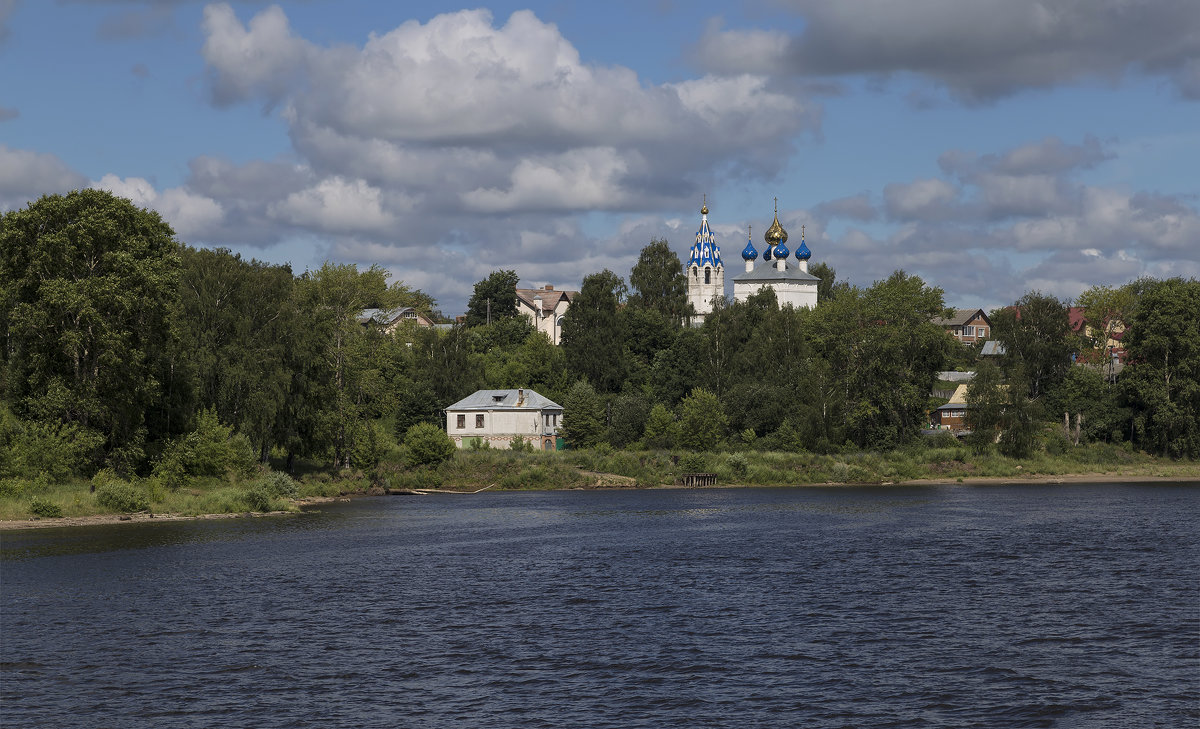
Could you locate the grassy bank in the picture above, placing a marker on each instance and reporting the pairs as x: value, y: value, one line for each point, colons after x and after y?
x: 268, y: 491
x: 614, y: 469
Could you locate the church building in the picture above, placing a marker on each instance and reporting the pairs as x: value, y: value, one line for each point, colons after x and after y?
x: 792, y: 282
x: 705, y: 269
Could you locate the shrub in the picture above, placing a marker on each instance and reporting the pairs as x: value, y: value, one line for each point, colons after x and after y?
x: 121, y: 496
x: 278, y: 484
x: 371, y: 443
x: 738, y: 465
x: 210, y: 450
x: 692, y: 463
x: 11, y: 487
x: 428, y: 444
x: 41, y: 507
x: 520, y: 445
x: 259, y: 498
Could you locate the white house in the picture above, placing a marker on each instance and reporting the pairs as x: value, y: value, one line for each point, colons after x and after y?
x: 545, y: 308
x: 495, y: 417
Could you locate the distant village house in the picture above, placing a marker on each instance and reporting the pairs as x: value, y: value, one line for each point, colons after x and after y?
x: 495, y: 417
x: 966, y: 325
x: 545, y: 309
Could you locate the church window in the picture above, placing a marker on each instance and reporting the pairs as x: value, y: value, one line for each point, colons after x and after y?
x: 707, y: 275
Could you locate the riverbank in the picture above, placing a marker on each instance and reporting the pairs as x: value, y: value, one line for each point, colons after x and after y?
x: 300, y: 504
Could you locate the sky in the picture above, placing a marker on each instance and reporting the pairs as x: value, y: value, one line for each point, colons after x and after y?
x: 992, y: 147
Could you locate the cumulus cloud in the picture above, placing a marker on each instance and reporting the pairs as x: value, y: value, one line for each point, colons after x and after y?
x: 188, y: 214
x: 27, y: 175
x: 496, y: 111
x: 978, y: 50
x: 336, y: 205
x: 930, y: 199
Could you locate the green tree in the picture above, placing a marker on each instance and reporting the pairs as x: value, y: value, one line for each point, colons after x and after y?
x: 334, y: 296
x: 236, y: 319
x: 629, y: 411
x: 660, y: 432
x: 495, y: 298
x: 1162, y: 381
x: 88, y: 288
x: 659, y: 282
x: 1106, y: 309
x: 592, y: 339
x: 583, y: 416
x: 428, y: 445
x: 827, y: 287
x: 986, y: 399
x: 702, y: 422
x: 1037, y: 338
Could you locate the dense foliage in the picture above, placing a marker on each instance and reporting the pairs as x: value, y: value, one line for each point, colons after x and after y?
x: 128, y: 353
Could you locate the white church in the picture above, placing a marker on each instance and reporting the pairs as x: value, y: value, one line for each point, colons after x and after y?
x: 792, y: 282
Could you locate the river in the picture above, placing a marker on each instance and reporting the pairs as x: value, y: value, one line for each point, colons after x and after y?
x: 1072, y: 605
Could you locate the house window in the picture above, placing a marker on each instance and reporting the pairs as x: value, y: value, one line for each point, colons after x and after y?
x: 982, y: 332
x: 462, y: 421
x: 478, y: 421
x: 707, y: 275
x: 969, y: 331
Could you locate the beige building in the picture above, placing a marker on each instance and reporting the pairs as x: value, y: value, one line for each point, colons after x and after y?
x: 495, y: 417
x: 545, y: 307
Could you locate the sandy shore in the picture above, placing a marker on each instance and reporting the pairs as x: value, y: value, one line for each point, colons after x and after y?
x: 97, y: 519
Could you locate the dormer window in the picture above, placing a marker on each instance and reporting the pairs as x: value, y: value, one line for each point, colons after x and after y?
x: 497, y: 398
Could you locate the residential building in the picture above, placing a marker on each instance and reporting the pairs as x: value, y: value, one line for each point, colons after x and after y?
x: 952, y: 415
x: 966, y: 325
x: 545, y: 308
x: 390, y: 319
x: 495, y: 417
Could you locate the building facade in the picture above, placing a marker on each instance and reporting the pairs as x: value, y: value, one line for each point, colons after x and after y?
x: 545, y: 309
x: 496, y: 417
x: 967, y: 325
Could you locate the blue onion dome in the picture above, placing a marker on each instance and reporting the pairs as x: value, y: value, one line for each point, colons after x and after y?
x: 767, y: 253
x: 802, y: 253
x: 748, y: 253
x: 781, y: 251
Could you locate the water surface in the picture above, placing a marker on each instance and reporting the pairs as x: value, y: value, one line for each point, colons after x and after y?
x: 940, y: 606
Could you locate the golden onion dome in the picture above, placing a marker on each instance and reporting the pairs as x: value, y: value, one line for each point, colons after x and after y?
x: 775, y: 234
x: 704, y: 206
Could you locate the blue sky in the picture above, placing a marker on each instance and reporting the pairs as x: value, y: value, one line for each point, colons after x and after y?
x: 991, y: 147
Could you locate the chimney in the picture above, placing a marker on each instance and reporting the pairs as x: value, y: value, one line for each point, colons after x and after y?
x: 549, y: 287
x: 520, y: 396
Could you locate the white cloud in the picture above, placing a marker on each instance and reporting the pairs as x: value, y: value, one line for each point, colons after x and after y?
x: 188, y: 214
x: 27, y: 175
x: 926, y: 199
x: 336, y: 205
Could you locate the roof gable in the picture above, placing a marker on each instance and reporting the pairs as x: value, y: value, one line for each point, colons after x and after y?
x: 515, y: 399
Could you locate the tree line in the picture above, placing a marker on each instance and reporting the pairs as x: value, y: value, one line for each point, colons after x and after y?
x: 119, y: 341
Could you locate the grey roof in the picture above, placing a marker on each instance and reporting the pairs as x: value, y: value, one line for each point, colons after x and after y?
x: 487, y: 400
x: 961, y: 317
x: 992, y: 348
x: 382, y: 316
x: 766, y: 271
